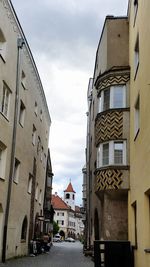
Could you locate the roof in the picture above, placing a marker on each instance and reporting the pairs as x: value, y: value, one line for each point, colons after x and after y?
x: 58, y: 203
x: 69, y: 188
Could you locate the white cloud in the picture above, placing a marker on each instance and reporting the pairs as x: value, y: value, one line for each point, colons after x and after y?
x: 63, y: 36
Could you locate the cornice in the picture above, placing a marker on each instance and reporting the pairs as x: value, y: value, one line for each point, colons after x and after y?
x: 122, y: 71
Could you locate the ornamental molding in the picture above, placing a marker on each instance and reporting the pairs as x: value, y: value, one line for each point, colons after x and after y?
x: 112, y: 77
x: 108, y: 179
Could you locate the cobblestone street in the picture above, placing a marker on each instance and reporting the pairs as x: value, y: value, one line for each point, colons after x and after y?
x: 61, y: 255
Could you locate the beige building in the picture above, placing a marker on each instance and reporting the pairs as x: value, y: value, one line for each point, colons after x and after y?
x: 107, y: 157
x: 24, y: 124
x: 139, y: 198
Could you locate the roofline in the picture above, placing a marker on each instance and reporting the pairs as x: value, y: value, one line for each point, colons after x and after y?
x: 31, y: 56
x: 108, y: 17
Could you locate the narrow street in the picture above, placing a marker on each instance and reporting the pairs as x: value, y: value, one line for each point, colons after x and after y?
x: 61, y: 255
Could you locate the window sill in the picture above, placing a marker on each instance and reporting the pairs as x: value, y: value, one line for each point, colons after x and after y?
x: 136, y: 71
x: 16, y: 182
x: 2, y: 58
x: 136, y: 135
x: 119, y: 167
x: 23, y: 241
x: 4, y: 116
x: 147, y: 250
x: 22, y: 126
x: 2, y: 179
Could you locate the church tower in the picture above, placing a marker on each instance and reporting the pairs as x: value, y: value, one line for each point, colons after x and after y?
x: 69, y: 196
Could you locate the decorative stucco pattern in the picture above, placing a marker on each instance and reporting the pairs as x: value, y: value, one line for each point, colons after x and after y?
x: 108, y: 179
x: 112, y: 79
x: 109, y: 126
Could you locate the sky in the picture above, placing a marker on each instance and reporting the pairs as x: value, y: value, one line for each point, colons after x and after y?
x: 63, y: 36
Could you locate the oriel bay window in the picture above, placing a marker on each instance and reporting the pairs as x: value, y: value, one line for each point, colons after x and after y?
x: 111, y: 153
x: 112, y: 97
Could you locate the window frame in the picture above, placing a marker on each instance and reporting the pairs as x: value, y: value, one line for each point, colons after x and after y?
x: 5, y: 103
x: 34, y: 131
x: 111, y: 89
x: 22, y: 113
x: 135, y: 10
x: 2, y: 45
x: 16, y: 171
x: 136, y: 57
x: 111, y: 154
x: 3, y: 157
x: 137, y: 116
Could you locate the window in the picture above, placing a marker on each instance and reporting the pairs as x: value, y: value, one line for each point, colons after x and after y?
x: 22, y: 113
x: 118, y: 152
x: 106, y: 104
x: 39, y: 145
x: 36, y: 108
x: 40, y: 197
x: 5, y: 100
x: 136, y: 56
x: 16, y: 170
x: 44, y: 160
x: 30, y: 184
x: 137, y: 116
x: 113, y: 97
x: 111, y: 153
x: 100, y: 103
x: 33, y: 135
x: 2, y: 160
x: 118, y: 97
x: 41, y: 153
x: 135, y: 9
x: 2, y: 45
x: 23, y: 79
x: 105, y: 154
x: 24, y: 229
x: 36, y: 192
x: 41, y: 115
x: 67, y: 196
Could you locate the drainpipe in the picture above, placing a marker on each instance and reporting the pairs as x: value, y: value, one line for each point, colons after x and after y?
x: 20, y: 43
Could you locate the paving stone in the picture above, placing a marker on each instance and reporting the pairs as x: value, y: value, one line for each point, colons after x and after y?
x: 61, y: 255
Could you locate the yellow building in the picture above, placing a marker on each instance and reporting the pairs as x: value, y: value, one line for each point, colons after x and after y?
x: 139, y: 196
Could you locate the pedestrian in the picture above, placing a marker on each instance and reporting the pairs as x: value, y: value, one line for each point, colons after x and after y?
x: 45, y: 241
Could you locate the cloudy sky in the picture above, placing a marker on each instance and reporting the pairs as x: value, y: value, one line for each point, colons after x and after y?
x: 63, y: 36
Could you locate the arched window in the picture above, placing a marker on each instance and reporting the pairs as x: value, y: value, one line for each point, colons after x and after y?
x: 24, y: 229
x: 67, y: 196
x: 73, y: 196
x: 2, y: 44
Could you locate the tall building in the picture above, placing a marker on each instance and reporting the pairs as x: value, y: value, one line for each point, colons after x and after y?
x: 24, y: 124
x: 139, y: 197
x: 107, y: 152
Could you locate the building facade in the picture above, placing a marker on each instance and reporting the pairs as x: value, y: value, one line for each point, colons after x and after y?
x: 24, y: 123
x: 139, y: 197
x: 107, y: 152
